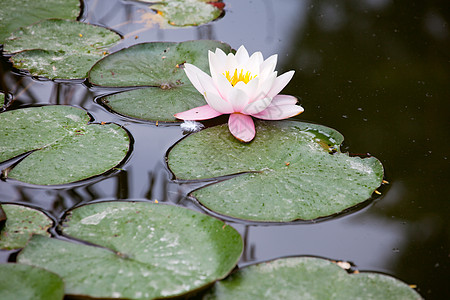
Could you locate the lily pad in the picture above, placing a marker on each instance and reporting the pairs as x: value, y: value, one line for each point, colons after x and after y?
x: 29, y: 283
x: 187, y: 12
x: 294, y: 170
x: 59, y: 48
x: 65, y: 148
x: 21, y: 13
x: 21, y: 223
x: 160, y: 65
x: 146, y: 251
x: 154, y: 104
x: 308, y: 278
x: 153, y: 64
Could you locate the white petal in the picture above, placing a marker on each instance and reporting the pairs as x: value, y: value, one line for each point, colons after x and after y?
x: 253, y: 64
x: 230, y: 62
x: 238, y: 98
x: 224, y: 87
x: 217, y: 103
x: 281, y: 107
x: 216, y: 62
x: 279, y: 83
x: 264, y: 87
x: 242, y: 56
x: 268, y: 66
x: 257, y: 106
x: 251, y: 88
x: 195, y: 75
x: 283, y: 100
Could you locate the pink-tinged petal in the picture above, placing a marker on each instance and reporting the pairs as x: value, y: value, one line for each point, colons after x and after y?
x: 238, y: 98
x: 283, y: 100
x: 199, y: 113
x: 196, y: 75
x: 279, y: 112
x: 242, y: 55
x: 242, y: 127
x: 257, y: 106
x: 279, y: 83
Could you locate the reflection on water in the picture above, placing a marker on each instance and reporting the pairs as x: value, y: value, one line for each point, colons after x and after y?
x: 376, y: 70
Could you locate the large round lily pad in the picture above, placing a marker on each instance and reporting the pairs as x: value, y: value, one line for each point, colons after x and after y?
x: 160, y: 65
x: 147, y: 251
x: 21, y: 13
x: 59, y: 48
x: 21, y: 223
x: 296, y: 172
x: 186, y: 12
x: 29, y: 283
x: 308, y: 278
x: 65, y: 147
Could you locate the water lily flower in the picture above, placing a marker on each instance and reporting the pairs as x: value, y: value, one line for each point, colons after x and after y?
x: 243, y: 86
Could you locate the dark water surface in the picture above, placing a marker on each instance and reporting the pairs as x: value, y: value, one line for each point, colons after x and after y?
x: 376, y: 70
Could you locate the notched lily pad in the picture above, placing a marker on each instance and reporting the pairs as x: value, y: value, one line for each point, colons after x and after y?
x: 159, y: 65
x: 29, y: 283
x: 59, y: 48
x: 65, y: 148
x: 308, y: 278
x: 21, y: 13
x: 21, y: 223
x: 187, y: 12
x: 294, y: 170
x: 147, y: 251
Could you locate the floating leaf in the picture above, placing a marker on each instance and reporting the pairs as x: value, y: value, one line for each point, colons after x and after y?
x: 21, y: 223
x: 297, y: 172
x: 308, y: 278
x: 187, y: 12
x: 21, y: 13
x: 154, y: 104
x: 66, y: 148
x: 147, y: 251
x: 59, y: 48
x: 29, y: 283
x: 154, y: 64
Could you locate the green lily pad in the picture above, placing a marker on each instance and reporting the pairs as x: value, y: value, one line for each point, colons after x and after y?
x: 21, y: 13
x: 59, y: 48
x: 146, y: 251
x: 21, y: 223
x: 296, y: 172
x: 29, y: 283
x: 65, y: 147
x: 186, y: 12
x: 154, y: 104
x: 154, y: 64
x: 308, y: 278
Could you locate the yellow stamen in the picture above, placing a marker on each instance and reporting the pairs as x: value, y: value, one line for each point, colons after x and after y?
x: 237, y: 77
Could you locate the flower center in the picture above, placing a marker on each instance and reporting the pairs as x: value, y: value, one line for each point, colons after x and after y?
x: 237, y: 77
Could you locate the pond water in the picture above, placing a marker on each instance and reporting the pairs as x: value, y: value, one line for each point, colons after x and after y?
x: 378, y: 71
